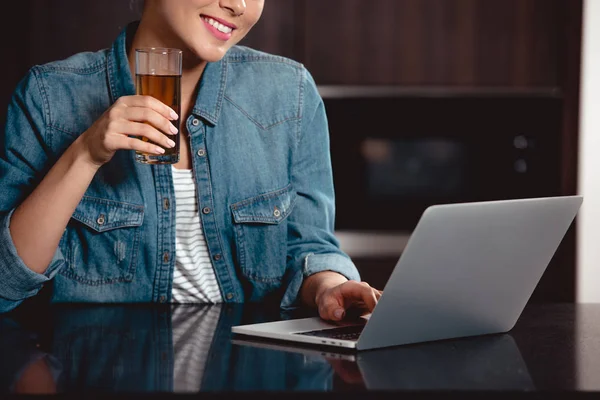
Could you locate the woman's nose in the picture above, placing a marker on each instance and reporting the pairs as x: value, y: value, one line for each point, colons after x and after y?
x: 235, y: 7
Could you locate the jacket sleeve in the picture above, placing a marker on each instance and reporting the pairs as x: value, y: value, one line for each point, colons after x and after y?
x: 312, y: 246
x: 24, y: 157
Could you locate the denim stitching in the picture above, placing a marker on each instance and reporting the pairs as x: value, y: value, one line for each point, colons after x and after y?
x: 94, y: 282
x: 136, y: 220
x: 221, y: 90
x: 267, y: 220
x: 56, y: 128
x: 110, y: 202
x: 110, y: 75
x: 260, y: 197
x: 254, y: 59
x: 239, y: 233
x: 242, y: 56
x: 210, y: 192
x: 301, y: 74
x: 45, y: 102
x: 261, y: 126
x: 301, y: 107
x: 91, y: 69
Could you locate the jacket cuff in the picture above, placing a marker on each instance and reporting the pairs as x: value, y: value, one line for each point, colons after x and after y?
x: 314, y: 263
x: 17, y: 281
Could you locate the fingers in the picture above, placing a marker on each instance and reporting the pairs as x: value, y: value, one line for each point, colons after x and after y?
x: 139, y: 114
x: 331, y: 306
x: 359, y: 293
x: 336, y: 301
x: 127, y: 143
x: 148, y: 102
x: 147, y: 131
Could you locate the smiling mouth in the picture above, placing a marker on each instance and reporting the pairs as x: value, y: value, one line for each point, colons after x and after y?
x: 217, y: 25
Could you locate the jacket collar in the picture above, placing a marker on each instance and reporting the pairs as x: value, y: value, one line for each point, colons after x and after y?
x: 212, y: 84
x: 119, y: 75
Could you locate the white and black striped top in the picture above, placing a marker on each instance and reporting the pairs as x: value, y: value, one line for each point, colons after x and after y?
x: 194, y: 279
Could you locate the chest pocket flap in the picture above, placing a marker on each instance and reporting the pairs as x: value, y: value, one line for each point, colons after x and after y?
x: 104, y: 215
x: 268, y: 208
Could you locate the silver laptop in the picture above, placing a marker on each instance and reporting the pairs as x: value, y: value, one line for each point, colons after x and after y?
x: 468, y: 269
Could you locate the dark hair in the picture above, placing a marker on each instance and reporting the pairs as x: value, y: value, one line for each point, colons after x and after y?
x: 136, y: 5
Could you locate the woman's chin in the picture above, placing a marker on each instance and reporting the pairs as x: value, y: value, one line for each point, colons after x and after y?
x: 209, y: 54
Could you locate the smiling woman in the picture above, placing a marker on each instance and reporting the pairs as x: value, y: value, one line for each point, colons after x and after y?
x: 246, y: 214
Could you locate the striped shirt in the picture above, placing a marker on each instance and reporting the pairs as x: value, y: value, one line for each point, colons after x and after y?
x: 194, y: 279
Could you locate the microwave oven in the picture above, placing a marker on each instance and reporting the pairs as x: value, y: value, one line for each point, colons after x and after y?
x: 395, y: 153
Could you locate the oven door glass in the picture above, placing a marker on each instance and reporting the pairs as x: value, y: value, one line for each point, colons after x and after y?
x: 394, y: 157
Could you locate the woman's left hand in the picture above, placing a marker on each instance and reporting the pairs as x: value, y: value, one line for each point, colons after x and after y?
x: 357, y: 297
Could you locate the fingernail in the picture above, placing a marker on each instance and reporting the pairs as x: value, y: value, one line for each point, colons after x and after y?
x: 174, y: 130
x: 174, y: 115
x: 339, y: 313
x: 160, y: 150
x: 170, y: 143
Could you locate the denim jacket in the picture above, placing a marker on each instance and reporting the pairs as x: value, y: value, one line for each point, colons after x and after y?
x: 261, y: 162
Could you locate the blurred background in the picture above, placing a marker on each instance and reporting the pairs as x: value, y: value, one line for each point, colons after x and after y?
x: 429, y: 102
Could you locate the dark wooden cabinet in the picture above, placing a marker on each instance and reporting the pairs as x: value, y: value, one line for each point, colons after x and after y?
x: 279, y: 30
x: 434, y: 42
x: 509, y: 43
x: 58, y: 29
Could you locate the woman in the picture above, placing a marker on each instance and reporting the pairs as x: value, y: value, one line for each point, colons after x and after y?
x: 76, y: 207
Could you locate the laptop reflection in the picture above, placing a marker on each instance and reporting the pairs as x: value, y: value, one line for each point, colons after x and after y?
x: 491, y: 362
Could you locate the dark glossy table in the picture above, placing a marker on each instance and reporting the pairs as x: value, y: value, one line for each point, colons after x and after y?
x: 554, y: 347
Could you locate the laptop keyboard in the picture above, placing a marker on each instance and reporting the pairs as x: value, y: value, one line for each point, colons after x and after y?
x: 343, y: 333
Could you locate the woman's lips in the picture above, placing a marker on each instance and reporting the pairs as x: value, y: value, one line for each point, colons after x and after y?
x: 219, y: 30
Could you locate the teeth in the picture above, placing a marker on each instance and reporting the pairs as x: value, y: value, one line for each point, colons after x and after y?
x: 220, y: 27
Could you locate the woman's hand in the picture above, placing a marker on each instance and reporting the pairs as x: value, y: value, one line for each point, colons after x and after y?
x: 334, y: 295
x: 357, y: 297
x: 142, y: 116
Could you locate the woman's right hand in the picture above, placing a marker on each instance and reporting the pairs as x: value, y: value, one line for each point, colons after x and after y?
x: 142, y: 116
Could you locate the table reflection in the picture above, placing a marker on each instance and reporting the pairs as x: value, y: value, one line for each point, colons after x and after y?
x: 491, y: 362
x: 149, y: 349
x: 191, y: 349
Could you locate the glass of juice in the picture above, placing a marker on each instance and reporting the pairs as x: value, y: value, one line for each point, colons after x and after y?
x: 158, y: 74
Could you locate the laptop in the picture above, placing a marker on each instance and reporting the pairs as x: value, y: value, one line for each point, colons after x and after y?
x: 468, y: 269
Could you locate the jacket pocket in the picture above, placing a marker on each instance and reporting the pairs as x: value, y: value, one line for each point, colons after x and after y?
x: 261, y: 239
x: 102, y: 241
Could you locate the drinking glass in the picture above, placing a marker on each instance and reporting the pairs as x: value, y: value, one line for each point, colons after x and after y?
x: 158, y: 74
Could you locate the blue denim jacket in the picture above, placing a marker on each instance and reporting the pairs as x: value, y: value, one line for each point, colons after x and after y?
x: 260, y: 148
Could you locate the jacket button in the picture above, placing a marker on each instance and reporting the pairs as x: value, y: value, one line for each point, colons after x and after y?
x: 201, y: 153
x: 162, y: 299
x: 277, y: 213
x: 217, y: 257
x: 206, y: 210
x: 195, y: 122
x: 229, y: 296
x: 166, y: 203
x: 166, y: 256
x: 101, y: 220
